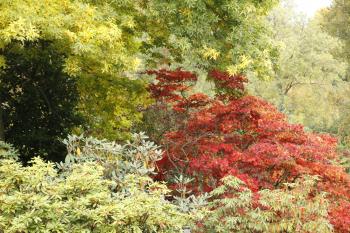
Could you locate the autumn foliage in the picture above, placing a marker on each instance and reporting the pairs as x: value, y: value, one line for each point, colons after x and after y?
x: 244, y: 136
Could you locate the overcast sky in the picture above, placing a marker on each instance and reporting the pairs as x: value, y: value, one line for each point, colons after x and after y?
x: 309, y: 7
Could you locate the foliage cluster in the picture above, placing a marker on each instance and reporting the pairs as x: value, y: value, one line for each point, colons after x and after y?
x: 199, y: 35
x: 89, y: 40
x: 336, y: 21
x: 104, y: 189
x: 243, y: 136
x: 310, y: 81
x: 38, y: 101
x: 104, y: 43
x: 231, y: 161
x: 289, y: 209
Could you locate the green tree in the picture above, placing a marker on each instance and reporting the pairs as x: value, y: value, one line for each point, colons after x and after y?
x: 231, y: 35
x: 81, y: 39
x: 308, y: 85
x: 90, y: 34
x: 112, y: 106
x: 38, y: 101
x: 336, y: 20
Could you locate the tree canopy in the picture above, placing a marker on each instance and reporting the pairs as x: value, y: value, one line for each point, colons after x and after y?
x: 105, y: 44
x: 309, y: 81
x: 336, y: 20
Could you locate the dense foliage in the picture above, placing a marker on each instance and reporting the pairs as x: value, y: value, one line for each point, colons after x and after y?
x: 290, y: 209
x: 309, y: 82
x: 336, y: 21
x: 104, y: 43
x: 89, y: 35
x: 89, y: 41
x: 103, y: 186
x: 244, y: 136
x: 92, y: 195
x: 38, y: 102
x: 230, y: 161
x: 201, y: 34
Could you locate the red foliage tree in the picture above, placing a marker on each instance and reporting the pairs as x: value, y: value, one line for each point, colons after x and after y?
x: 241, y: 135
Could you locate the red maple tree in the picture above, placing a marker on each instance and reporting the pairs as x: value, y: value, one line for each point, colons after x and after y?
x: 245, y: 136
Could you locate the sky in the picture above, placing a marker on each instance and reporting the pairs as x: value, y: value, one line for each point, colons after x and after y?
x: 309, y: 7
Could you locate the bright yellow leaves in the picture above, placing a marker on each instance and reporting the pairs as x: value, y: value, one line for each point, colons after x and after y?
x: 21, y: 30
x: 128, y: 22
x: 135, y: 63
x: 241, y: 67
x: 87, y: 34
x: 112, y: 106
x: 210, y: 53
x: 232, y: 70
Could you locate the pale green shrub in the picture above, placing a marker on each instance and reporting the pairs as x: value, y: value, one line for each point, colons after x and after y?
x: 137, y: 156
x: 234, y: 208
x: 80, y: 196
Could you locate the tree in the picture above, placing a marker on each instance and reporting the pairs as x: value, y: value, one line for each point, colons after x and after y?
x: 88, y: 33
x: 336, y: 21
x: 112, y: 106
x: 38, y: 101
x: 241, y: 135
x: 56, y: 41
x: 308, y: 84
x: 198, y: 35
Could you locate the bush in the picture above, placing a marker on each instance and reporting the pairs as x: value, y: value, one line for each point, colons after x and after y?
x: 290, y: 209
x: 87, y: 194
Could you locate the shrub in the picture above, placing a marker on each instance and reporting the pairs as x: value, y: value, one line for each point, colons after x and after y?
x: 236, y: 209
x: 102, y: 189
